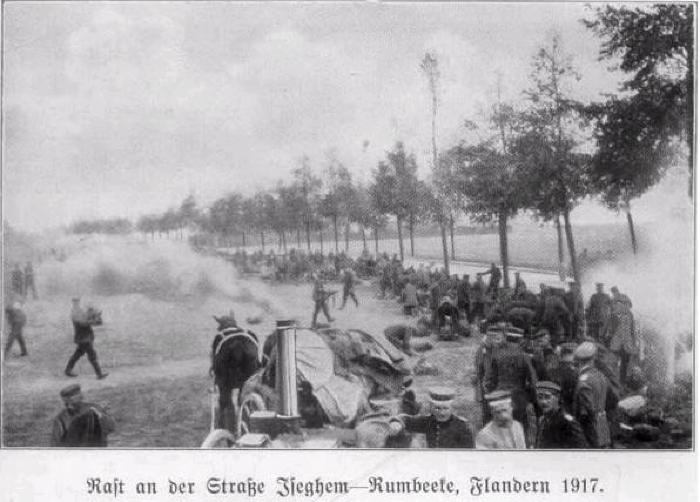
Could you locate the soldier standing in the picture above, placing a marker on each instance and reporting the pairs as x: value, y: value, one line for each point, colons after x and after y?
x: 17, y: 281
x: 463, y: 293
x: 502, y: 432
x: 29, y: 280
x: 442, y: 428
x: 81, y: 424
x: 495, y: 280
x: 574, y: 302
x: 348, y: 287
x: 16, y: 319
x: 590, y: 397
x: 598, y: 314
x: 84, y: 338
x: 320, y: 297
x: 478, y: 298
x: 623, y: 341
x: 556, y: 429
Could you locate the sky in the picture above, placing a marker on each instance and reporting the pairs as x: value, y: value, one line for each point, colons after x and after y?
x: 123, y: 109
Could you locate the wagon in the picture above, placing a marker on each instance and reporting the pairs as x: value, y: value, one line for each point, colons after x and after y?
x: 317, y: 384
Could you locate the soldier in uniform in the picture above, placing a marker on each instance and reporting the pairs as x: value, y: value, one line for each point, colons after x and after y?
x: 623, y: 341
x: 16, y: 319
x: 495, y: 279
x: 320, y: 297
x: 348, y: 287
x: 409, y: 296
x: 80, y: 424
x: 590, y: 397
x: 502, y: 432
x: 566, y: 375
x: 520, y: 287
x: 84, y: 338
x: 512, y: 371
x: 442, y: 428
x: 478, y: 298
x: 598, y: 314
x: 556, y: 429
x: 17, y: 281
x: 29, y: 280
x: 463, y: 293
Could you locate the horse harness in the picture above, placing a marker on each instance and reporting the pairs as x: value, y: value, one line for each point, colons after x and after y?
x: 231, y: 333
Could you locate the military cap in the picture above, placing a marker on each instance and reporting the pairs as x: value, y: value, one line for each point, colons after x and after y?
x: 514, y: 333
x: 498, y: 397
x: 587, y: 350
x: 548, y: 386
x: 441, y: 394
x: 70, y: 391
x: 568, y: 347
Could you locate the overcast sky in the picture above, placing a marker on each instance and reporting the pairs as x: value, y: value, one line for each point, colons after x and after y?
x: 124, y: 109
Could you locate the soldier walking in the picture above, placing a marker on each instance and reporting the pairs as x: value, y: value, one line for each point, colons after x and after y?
x: 16, y: 320
x: 349, y: 287
x: 84, y: 337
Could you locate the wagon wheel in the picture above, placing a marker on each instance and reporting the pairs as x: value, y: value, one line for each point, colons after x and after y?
x: 219, y: 438
x: 251, y: 403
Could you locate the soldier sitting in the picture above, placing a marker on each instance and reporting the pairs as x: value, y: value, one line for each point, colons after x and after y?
x: 80, y: 424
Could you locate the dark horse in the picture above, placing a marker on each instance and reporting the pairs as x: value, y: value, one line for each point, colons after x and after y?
x: 234, y: 357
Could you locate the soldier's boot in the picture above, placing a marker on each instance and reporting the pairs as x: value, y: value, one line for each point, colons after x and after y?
x: 69, y: 367
x: 98, y: 371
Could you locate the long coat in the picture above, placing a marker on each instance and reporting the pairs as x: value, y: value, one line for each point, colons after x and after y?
x: 590, y: 400
x: 623, y: 339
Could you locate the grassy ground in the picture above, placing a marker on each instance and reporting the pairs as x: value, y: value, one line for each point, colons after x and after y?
x: 156, y: 352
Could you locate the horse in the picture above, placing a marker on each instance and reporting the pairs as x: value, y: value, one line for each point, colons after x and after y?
x: 234, y: 359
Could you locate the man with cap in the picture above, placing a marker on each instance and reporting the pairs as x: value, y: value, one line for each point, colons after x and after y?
x: 80, y: 424
x: 511, y: 370
x: 84, y: 337
x: 556, y: 429
x: 623, y: 341
x: 349, y: 281
x: 16, y: 319
x: 590, y: 397
x: 442, y: 428
x: 320, y: 297
x: 598, y: 314
x: 502, y: 432
x: 566, y: 375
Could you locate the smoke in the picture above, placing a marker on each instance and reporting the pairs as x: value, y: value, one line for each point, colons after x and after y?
x: 660, y: 278
x: 160, y: 270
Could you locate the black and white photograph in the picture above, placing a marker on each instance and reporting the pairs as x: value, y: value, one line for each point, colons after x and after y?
x: 348, y: 225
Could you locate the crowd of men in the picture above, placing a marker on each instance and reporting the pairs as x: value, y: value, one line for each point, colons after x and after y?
x: 551, y: 367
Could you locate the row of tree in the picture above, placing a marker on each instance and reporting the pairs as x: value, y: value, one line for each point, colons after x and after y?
x: 542, y: 155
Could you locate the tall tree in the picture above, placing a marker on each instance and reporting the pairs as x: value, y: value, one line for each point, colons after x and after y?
x: 337, y: 201
x: 429, y: 65
x: 557, y: 176
x: 654, y: 44
x: 308, y: 186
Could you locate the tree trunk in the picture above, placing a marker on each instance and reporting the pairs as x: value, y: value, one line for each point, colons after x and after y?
x: 364, y: 238
x: 410, y: 231
x: 308, y: 235
x: 279, y: 240
x: 298, y: 238
x: 630, y: 224
x: 570, y: 244
x: 560, y: 250
x: 243, y: 234
x: 262, y: 240
x: 335, y: 231
x: 398, y: 226
x: 445, y: 256
x: 452, y: 235
x: 376, y: 242
x: 503, y: 240
x: 347, y: 236
x: 320, y: 236
x: 284, y: 242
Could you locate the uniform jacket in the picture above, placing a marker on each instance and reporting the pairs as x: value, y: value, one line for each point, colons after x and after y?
x: 599, y: 308
x: 410, y: 295
x: 589, y: 406
x: 509, y: 369
x: 623, y: 339
x: 16, y: 318
x: 559, y: 430
x: 453, y: 433
x: 82, y: 327
x: 492, y: 437
x: 87, y: 427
